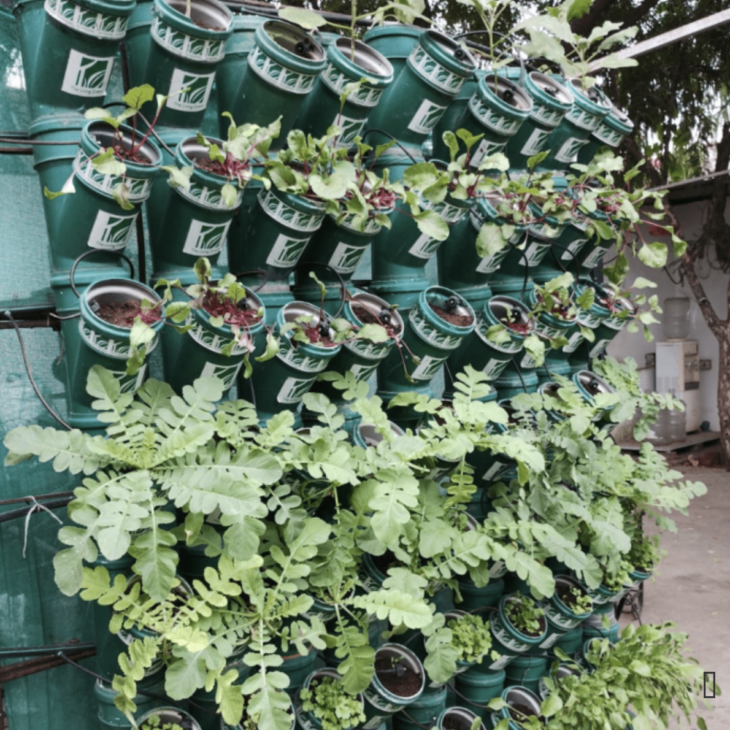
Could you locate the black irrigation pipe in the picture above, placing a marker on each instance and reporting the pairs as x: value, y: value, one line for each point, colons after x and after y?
x: 49, y: 650
x: 28, y: 370
x: 23, y: 511
x: 343, y: 285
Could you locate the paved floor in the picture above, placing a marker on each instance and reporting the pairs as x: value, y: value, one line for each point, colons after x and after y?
x: 692, y: 587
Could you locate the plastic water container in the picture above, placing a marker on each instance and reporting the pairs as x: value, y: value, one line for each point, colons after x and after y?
x: 659, y: 433
x: 676, y: 318
x: 677, y: 425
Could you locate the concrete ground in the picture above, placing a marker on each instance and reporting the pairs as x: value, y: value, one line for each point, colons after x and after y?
x: 692, y: 585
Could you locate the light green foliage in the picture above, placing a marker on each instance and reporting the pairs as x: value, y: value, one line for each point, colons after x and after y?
x: 329, y: 702
x: 646, y: 670
x: 525, y: 615
x: 470, y: 637
x: 155, y: 723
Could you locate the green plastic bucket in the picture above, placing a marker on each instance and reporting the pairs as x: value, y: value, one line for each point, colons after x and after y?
x: 68, y: 49
x: 183, y: 56
x: 551, y: 101
x: 512, y: 382
x: 306, y: 719
x: 496, y: 111
x: 460, y: 267
x: 298, y: 667
x: 585, y: 116
x: 401, y: 253
x: 466, y: 719
x: 138, y: 41
x: 90, y: 218
x: 507, y: 641
x: 559, y: 616
x: 479, y: 598
x: 479, y: 687
x: 279, y: 229
x: 339, y: 246
x: 546, y: 374
x: 526, y: 671
x: 395, y: 42
x: 564, y: 254
x: 381, y: 699
x: 361, y: 357
x: 196, y: 221
x: 525, y: 697
x: 170, y: 717
x: 96, y: 342
x: 570, y: 641
x: 422, y: 712
x: 198, y: 353
x: 549, y: 325
x: 347, y: 62
x: 283, y: 381
x: 54, y: 163
x: 229, y: 71
x: 563, y: 670
x: 484, y: 354
x: 108, y: 714
x: 611, y: 132
x: 428, y: 337
x: 436, y: 69
x: 487, y: 465
x: 281, y: 70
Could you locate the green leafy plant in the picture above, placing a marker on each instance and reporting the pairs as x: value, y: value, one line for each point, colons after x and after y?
x: 577, y: 600
x: 525, y: 615
x: 155, y: 723
x: 328, y: 701
x: 470, y: 637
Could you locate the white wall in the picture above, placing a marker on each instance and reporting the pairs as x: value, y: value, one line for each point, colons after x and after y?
x: 690, y: 217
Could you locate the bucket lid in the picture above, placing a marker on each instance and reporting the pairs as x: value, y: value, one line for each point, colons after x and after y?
x: 359, y: 60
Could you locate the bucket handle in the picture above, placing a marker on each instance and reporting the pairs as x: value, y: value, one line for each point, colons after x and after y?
x: 84, y: 255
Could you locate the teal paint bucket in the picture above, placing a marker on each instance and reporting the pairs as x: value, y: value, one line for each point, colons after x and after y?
x: 512, y: 382
x: 195, y: 221
x: 340, y: 246
x: 591, y: 385
x: 429, y: 337
x: 487, y: 355
x: 526, y: 699
x: 347, y: 62
x: 551, y: 101
x: 198, y: 353
x: 279, y: 229
x: 138, y: 41
x: 559, y: 615
x: 281, y: 70
x: 90, y: 218
x: 570, y: 641
x: 563, y: 670
x: 183, y: 57
x: 479, y: 687
x: 611, y: 132
x: 546, y: 375
x: 108, y: 714
x: 450, y: 121
x: 422, y: 712
x: 526, y: 671
x: 395, y: 42
x: 550, y: 325
x: 564, y: 253
x: 459, y: 717
x: 170, y: 716
x: 479, y: 598
x: 382, y: 698
x: 274, y: 297
x: 298, y: 667
x: 507, y: 640
x: 229, y: 71
x: 54, y: 162
x: 436, y: 69
x: 460, y: 267
x: 283, y: 381
x: 401, y: 253
x: 69, y: 48
x: 585, y: 116
x: 93, y: 341
x: 495, y: 111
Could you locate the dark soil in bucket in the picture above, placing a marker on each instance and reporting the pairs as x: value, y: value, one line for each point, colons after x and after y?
x: 565, y: 595
x: 453, y: 721
x: 458, y: 320
x: 317, y: 338
x: 519, y: 711
x: 213, y: 166
x: 397, y: 677
x: 120, y: 314
x: 233, y: 314
x: 367, y: 317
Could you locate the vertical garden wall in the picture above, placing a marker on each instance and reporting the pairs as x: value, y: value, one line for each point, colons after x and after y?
x: 337, y: 427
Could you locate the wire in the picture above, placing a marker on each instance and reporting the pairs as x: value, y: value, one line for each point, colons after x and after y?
x: 84, y: 255
x: 30, y: 373
x: 343, y: 285
x: 387, y: 134
x: 35, y: 498
x: 519, y: 373
x: 25, y: 511
x: 35, y: 142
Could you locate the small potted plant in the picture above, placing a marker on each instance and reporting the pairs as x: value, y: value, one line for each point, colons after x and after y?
x: 566, y: 608
x: 644, y: 557
x: 197, y: 216
x: 188, y: 42
x: 281, y: 70
x: 518, y: 625
x: 167, y: 718
x: 325, y: 705
x: 459, y: 718
x: 519, y: 709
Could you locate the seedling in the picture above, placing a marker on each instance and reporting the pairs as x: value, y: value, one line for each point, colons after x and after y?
x: 328, y: 701
x: 525, y: 615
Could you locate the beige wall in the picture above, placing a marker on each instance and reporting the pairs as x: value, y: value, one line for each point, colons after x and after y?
x: 690, y: 217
